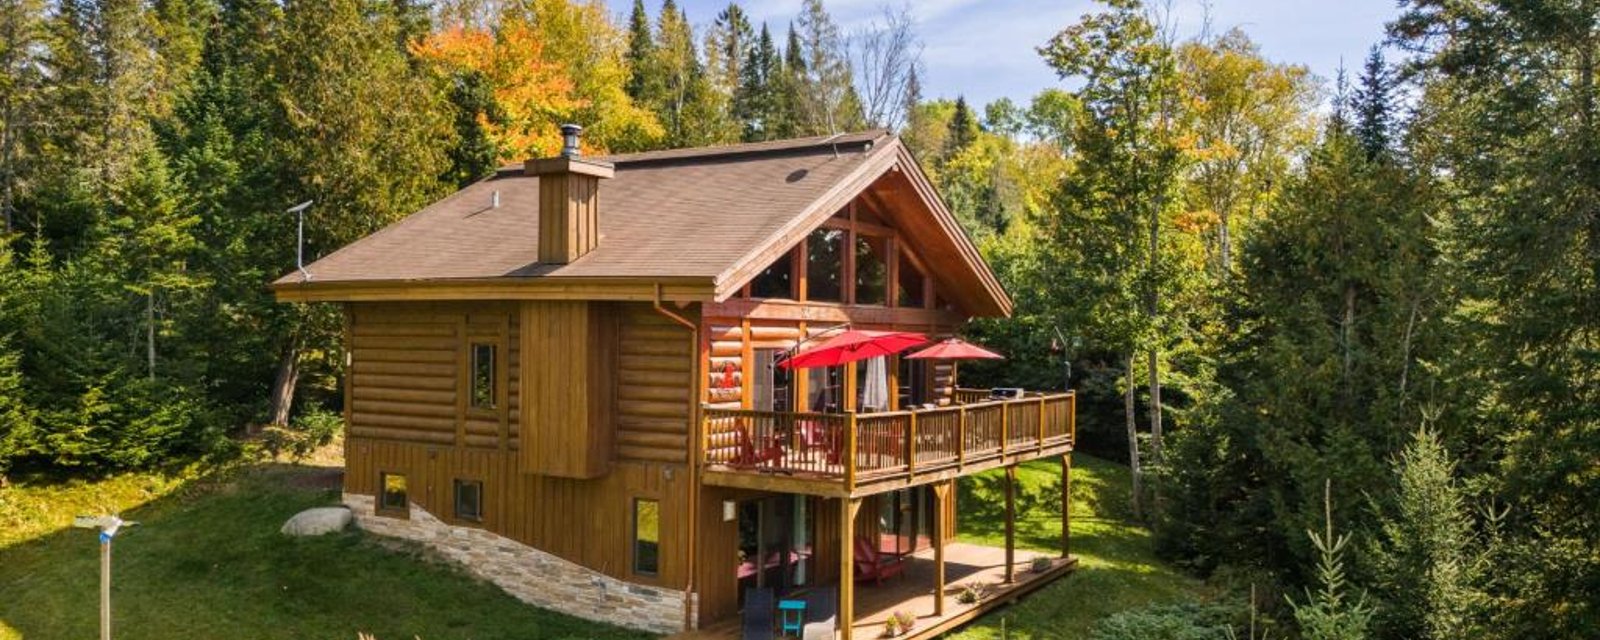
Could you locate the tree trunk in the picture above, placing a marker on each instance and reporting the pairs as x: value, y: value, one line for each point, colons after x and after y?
x: 1224, y: 247
x: 1346, y: 328
x: 150, y: 332
x: 1133, y: 443
x: 1153, y: 309
x: 283, y: 386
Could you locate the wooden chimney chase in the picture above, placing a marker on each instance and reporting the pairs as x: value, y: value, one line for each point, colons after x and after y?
x: 569, y: 201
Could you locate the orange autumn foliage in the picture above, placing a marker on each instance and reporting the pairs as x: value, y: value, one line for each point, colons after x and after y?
x: 534, y: 93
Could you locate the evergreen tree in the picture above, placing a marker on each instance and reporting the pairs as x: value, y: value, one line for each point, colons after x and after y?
x: 1329, y: 613
x: 22, y: 36
x: 729, y: 45
x: 689, y: 107
x: 641, y: 52
x: 1428, y: 563
x: 963, y: 129
x: 1373, y: 106
x: 757, y: 100
x: 1510, y: 113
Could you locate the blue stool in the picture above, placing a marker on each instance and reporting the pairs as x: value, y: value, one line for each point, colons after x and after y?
x: 792, y: 617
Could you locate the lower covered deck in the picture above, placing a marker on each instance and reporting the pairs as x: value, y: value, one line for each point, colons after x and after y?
x: 855, y: 561
x: 968, y: 567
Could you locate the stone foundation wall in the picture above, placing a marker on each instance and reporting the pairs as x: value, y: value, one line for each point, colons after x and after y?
x: 531, y: 575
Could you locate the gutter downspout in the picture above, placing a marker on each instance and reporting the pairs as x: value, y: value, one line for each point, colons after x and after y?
x: 695, y: 427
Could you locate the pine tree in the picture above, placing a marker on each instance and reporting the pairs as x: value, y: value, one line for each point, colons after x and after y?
x: 641, y: 52
x: 756, y: 100
x: 1427, y: 561
x: 1372, y: 104
x: 729, y: 45
x: 22, y: 34
x: 963, y: 129
x: 1329, y: 613
x: 689, y: 107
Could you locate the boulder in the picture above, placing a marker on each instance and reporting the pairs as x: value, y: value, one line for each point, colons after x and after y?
x: 318, y: 521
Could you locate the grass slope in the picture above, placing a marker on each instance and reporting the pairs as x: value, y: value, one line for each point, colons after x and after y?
x: 1117, y: 569
x: 209, y: 562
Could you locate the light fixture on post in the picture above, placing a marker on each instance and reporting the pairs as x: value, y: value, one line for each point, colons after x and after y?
x: 108, y: 525
x: 300, y: 238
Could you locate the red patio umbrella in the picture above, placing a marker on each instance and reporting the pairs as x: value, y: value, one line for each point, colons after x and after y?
x: 853, y: 345
x: 956, y: 349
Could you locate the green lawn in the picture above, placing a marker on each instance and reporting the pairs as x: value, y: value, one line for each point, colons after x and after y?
x: 1117, y: 567
x: 208, y: 562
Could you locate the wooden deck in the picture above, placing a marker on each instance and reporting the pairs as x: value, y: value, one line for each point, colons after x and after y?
x: 853, y: 455
x: 913, y: 591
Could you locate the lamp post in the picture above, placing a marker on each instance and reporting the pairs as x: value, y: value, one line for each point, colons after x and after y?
x: 1068, y: 348
x: 299, y: 211
x: 108, y: 526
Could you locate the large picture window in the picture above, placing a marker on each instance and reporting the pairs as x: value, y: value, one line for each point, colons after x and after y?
x: 646, y: 536
x: 911, y: 291
x: 872, y: 270
x: 777, y: 281
x: 825, y: 265
x: 483, y: 375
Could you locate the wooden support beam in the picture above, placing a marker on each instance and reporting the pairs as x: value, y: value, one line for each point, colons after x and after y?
x: 1011, y: 524
x: 848, y: 507
x: 1066, y: 505
x: 941, y: 497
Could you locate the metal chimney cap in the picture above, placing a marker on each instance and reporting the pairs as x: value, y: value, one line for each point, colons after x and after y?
x: 570, y: 133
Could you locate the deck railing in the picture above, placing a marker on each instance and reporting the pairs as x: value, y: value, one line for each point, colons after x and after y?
x: 873, y: 445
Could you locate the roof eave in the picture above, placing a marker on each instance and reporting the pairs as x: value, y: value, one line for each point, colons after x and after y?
x: 635, y: 289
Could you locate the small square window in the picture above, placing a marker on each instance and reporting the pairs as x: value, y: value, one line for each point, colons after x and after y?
x: 469, y: 500
x: 483, y: 376
x: 646, y: 536
x: 393, y: 495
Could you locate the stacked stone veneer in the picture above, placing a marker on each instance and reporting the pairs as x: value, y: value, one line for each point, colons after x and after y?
x: 531, y: 575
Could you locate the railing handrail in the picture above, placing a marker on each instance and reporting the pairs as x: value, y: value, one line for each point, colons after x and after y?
x: 952, y: 436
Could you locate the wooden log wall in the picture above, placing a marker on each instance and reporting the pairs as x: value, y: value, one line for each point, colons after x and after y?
x: 654, y: 387
x: 409, y: 414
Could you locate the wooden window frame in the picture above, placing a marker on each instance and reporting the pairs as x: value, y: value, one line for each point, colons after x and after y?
x: 633, y: 539
x: 380, y: 507
x: 496, y: 385
x: 455, y: 500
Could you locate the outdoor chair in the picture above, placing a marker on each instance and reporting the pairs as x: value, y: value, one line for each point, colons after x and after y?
x: 750, y: 456
x: 822, y: 605
x: 874, y: 566
x: 758, y: 607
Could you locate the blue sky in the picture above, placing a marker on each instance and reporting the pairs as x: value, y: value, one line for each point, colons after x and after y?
x: 984, y: 49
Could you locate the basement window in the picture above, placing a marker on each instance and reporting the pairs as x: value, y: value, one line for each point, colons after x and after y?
x: 392, y: 492
x: 469, y: 500
x: 646, y: 536
x: 483, y: 378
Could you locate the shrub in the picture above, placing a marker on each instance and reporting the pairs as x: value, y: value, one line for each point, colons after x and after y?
x: 304, y: 435
x: 1167, y: 622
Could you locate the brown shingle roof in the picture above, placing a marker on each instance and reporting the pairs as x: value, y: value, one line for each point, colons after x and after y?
x: 689, y: 213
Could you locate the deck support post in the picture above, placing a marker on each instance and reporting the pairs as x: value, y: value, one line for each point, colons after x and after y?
x: 1011, y: 524
x: 941, y: 502
x: 1066, y: 505
x: 848, y: 507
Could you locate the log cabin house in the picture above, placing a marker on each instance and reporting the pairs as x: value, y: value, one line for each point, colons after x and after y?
x: 564, y: 377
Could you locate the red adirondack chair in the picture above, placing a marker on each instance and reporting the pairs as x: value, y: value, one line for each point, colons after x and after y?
x: 749, y: 455
x: 871, y: 565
